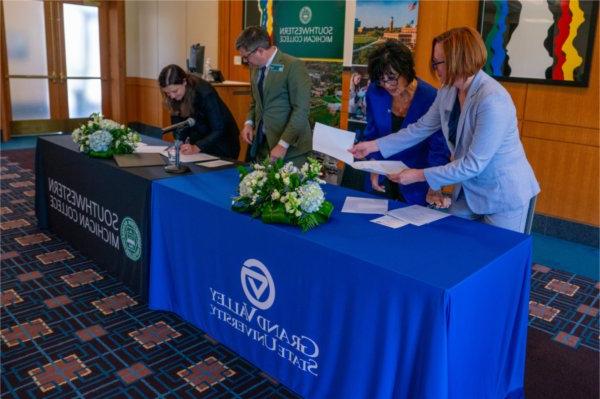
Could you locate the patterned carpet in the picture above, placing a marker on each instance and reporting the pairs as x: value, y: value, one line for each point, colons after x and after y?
x: 70, y: 330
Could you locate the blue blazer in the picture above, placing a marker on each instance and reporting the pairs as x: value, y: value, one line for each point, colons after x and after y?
x: 431, y: 152
x: 489, y: 161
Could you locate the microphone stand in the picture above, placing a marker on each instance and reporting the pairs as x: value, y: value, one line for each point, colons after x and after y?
x: 178, y: 168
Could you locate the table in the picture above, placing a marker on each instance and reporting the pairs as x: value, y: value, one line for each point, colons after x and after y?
x: 350, y: 309
x: 100, y: 209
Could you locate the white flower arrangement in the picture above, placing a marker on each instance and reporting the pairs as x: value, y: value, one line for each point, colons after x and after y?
x: 282, y: 193
x: 104, y: 138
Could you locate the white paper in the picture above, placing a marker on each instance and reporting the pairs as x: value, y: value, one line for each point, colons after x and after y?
x: 417, y: 214
x: 379, y: 167
x: 365, y: 205
x: 150, y: 149
x: 336, y: 143
x: 389, y: 221
x: 333, y: 142
x: 214, y: 164
x: 199, y: 157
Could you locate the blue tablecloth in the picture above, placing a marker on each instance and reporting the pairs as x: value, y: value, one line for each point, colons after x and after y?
x: 350, y: 309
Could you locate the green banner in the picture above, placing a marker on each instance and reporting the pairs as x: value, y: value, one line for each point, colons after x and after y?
x: 311, y: 30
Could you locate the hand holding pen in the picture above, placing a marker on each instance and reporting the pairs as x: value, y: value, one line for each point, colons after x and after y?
x: 189, y: 149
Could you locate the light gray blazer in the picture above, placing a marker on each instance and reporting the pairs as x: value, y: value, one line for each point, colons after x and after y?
x: 489, y: 160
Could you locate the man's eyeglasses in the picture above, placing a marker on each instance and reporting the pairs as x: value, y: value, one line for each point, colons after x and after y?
x: 388, y: 80
x: 245, y: 57
x: 435, y: 63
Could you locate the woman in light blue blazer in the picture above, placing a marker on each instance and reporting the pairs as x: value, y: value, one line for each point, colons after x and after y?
x: 493, y: 181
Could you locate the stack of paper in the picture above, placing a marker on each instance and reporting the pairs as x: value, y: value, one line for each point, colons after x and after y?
x: 143, y: 148
x: 214, y: 164
x: 417, y: 214
x: 199, y: 157
x: 365, y: 205
x: 336, y: 143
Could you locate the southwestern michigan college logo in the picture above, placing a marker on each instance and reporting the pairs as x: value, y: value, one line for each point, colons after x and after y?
x: 257, y: 284
x: 131, y: 239
x: 305, y: 15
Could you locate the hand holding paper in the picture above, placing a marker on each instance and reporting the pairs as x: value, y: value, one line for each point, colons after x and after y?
x: 361, y: 150
x: 339, y: 144
x: 333, y: 142
x: 407, y: 176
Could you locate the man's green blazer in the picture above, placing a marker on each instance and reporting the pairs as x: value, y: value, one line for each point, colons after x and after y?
x: 285, y: 106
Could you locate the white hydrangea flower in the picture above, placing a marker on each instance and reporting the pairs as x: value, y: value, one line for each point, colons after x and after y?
x: 251, y: 183
x: 289, y: 168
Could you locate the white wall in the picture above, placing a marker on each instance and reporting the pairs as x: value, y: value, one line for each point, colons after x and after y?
x: 159, y: 33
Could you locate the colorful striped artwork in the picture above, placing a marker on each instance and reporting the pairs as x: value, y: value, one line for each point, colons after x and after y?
x: 543, y: 41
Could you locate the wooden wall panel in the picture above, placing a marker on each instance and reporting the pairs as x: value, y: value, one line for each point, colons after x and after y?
x: 567, y: 172
x: 231, y: 14
x: 562, y: 134
x: 116, y: 41
x: 432, y: 21
x: 133, y: 100
x: 518, y: 92
x: 149, y: 108
x: 238, y: 102
x: 345, y: 98
x: 461, y: 13
x: 4, y: 86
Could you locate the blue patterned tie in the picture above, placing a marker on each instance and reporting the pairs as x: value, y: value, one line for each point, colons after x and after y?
x: 261, y: 81
x: 260, y: 135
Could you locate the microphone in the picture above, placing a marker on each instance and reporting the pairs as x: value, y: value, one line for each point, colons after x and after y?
x: 189, y: 122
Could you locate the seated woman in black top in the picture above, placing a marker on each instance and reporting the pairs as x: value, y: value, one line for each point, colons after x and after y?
x: 186, y: 95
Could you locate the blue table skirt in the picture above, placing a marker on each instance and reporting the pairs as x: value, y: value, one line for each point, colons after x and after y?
x: 353, y: 309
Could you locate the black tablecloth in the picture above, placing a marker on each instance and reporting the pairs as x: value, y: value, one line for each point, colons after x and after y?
x: 100, y: 209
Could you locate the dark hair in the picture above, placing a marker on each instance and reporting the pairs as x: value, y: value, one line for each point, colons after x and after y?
x: 175, y: 75
x: 253, y: 37
x: 391, y: 55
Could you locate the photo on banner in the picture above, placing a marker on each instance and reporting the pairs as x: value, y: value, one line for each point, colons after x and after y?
x: 539, y: 41
x: 357, y: 101
x: 326, y: 92
x: 378, y: 21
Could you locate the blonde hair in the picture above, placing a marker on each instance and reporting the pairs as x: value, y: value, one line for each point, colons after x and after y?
x: 464, y: 51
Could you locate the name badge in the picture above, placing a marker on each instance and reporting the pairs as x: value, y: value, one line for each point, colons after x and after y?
x: 276, y: 68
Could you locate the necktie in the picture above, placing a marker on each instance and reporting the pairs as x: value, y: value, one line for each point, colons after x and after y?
x: 261, y: 81
x: 260, y: 135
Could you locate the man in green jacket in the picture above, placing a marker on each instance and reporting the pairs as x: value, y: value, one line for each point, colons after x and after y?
x: 277, y: 123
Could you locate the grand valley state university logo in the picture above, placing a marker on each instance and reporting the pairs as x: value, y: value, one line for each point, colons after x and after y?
x: 258, y: 284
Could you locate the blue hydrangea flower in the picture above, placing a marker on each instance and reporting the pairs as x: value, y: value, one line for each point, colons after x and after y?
x: 100, y: 140
x: 311, y: 197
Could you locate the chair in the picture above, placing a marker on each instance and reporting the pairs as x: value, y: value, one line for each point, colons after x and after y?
x: 530, y: 215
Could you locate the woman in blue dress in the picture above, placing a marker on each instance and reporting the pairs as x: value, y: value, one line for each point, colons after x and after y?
x: 395, y: 99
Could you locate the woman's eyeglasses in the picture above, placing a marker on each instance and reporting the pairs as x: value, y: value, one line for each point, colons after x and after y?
x: 388, y: 80
x: 435, y: 63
